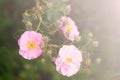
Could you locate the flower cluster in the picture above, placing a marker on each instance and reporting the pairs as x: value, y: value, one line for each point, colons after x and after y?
x: 69, y: 57
x: 53, y: 34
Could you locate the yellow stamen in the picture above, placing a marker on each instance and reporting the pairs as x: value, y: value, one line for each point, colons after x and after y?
x: 26, y: 13
x: 68, y: 60
x: 68, y: 28
x: 31, y: 45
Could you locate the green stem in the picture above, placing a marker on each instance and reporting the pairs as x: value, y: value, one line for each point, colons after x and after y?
x: 65, y: 42
x: 39, y: 17
x: 40, y: 21
x: 85, y: 45
x: 49, y: 26
x: 37, y: 2
x: 44, y: 24
x: 54, y: 31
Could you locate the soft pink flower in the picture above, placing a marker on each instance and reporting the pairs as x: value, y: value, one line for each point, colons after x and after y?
x: 68, y: 60
x: 29, y: 44
x: 68, y: 28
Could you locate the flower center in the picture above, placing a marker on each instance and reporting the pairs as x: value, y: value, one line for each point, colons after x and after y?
x: 68, y: 28
x: 31, y: 45
x: 68, y: 60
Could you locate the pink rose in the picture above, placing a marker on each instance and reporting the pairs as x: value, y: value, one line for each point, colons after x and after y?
x: 68, y: 60
x: 29, y: 44
x: 68, y: 28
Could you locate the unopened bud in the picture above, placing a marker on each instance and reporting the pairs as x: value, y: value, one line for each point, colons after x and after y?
x: 26, y: 14
x: 78, y: 38
x: 49, y: 52
x: 46, y: 39
x: 98, y: 60
x: 66, y: 10
x: 89, y: 61
x: 95, y: 43
x: 29, y: 24
x: 49, y: 4
x: 37, y: 8
x: 90, y: 35
x: 43, y: 61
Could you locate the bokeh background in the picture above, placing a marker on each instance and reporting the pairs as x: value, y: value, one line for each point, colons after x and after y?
x: 101, y: 17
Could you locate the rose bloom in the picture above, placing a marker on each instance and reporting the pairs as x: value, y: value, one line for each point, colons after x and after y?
x: 29, y: 45
x: 68, y: 28
x: 68, y: 60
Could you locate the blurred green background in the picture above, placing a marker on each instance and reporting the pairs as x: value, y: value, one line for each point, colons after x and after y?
x: 101, y: 17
